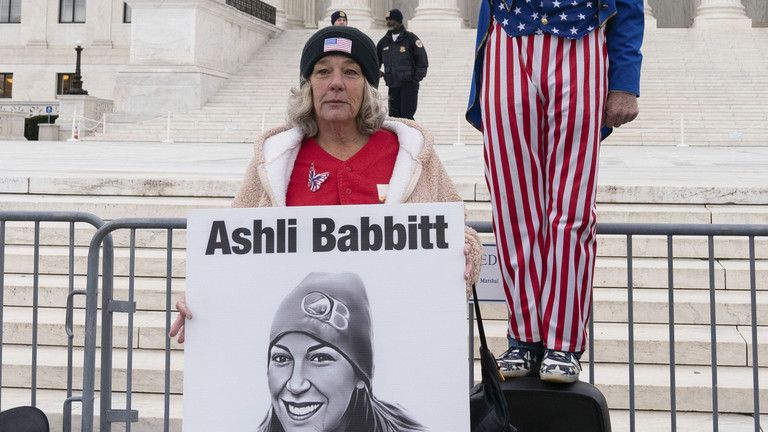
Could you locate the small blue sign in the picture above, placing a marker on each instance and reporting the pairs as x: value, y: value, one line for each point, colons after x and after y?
x: 48, y: 109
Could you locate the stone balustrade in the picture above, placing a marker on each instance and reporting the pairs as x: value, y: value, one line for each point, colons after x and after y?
x: 30, y: 108
x: 12, y: 126
x: 84, y: 109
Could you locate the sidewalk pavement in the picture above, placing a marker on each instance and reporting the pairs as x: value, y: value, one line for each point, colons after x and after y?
x: 629, y: 174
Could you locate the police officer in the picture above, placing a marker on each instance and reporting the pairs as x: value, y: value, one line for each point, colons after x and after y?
x: 405, y: 64
x: 339, y: 18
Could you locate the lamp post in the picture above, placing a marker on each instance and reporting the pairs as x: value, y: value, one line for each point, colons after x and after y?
x: 77, y: 80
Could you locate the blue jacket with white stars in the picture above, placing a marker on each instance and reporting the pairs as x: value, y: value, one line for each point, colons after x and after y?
x: 624, y: 25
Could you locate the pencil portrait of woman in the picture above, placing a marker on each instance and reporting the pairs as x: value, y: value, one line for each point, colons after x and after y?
x: 320, y: 362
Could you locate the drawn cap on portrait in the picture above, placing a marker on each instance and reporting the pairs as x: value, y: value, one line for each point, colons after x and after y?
x: 332, y: 308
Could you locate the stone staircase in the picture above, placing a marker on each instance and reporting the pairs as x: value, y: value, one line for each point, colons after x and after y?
x: 698, y: 87
x: 610, y: 304
x: 255, y: 99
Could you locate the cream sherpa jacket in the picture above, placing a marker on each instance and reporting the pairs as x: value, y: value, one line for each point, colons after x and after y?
x: 418, y: 175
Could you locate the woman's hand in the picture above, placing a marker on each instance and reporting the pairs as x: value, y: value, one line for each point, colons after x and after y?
x: 184, y: 314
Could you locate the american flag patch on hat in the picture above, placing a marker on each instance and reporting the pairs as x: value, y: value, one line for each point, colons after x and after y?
x: 338, y: 44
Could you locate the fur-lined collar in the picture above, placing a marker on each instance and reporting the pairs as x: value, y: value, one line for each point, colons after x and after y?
x: 276, y: 152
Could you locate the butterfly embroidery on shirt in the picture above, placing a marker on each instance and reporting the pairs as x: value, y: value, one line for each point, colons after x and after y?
x: 315, y: 180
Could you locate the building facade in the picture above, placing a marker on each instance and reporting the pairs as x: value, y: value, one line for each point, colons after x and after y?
x: 151, y: 57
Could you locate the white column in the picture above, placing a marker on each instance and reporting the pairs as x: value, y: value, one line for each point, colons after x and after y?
x: 379, y: 10
x: 34, y: 20
x: 724, y: 14
x: 650, y: 21
x: 309, y: 15
x: 437, y: 14
x: 98, y: 15
x: 358, y: 13
x: 280, y: 15
x: 294, y: 13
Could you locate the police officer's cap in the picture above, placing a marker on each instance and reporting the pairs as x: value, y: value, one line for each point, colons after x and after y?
x: 395, y: 14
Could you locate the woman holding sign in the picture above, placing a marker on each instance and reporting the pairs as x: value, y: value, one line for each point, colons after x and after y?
x: 320, y: 362
x: 340, y: 148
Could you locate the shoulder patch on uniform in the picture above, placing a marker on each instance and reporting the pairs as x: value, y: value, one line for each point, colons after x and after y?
x: 419, y: 43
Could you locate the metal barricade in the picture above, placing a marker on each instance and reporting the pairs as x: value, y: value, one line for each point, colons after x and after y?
x: 629, y: 232
x: 670, y: 231
x: 110, y: 306
x: 38, y: 218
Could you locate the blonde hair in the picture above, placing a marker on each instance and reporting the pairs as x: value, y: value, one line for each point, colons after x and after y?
x: 301, y: 110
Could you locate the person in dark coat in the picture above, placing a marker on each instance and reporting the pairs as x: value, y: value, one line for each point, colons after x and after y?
x: 405, y: 64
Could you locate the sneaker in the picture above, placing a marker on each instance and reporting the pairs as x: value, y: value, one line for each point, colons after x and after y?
x: 559, y: 367
x: 517, y: 362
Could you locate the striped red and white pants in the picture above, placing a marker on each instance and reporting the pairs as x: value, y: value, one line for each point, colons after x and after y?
x: 542, y: 104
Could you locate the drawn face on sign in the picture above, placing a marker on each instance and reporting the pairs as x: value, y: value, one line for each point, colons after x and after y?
x: 311, y: 384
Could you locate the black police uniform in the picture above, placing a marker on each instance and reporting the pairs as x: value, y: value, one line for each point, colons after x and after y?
x: 405, y: 64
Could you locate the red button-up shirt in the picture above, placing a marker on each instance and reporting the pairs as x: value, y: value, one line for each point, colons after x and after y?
x: 353, y: 181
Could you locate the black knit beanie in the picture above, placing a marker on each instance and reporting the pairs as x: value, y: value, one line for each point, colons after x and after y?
x: 336, y: 15
x: 347, y: 41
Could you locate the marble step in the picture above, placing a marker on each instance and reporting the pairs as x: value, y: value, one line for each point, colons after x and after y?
x: 55, y: 260
x: 610, y: 272
x: 685, y: 421
x: 113, y: 207
x: 733, y: 307
x: 651, y: 306
x: 693, y: 388
x: 149, y: 292
x: 57, y: 234
x: 651, y: 340
x: 651, y: 344
x: 610, y: 304
x: 148, y: 368
x: 682, y: 247
x: 150, y: 407
x: 148, y: 332
x: 735, y: 383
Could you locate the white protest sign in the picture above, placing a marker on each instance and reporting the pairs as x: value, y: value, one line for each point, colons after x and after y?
x: 308, y: 317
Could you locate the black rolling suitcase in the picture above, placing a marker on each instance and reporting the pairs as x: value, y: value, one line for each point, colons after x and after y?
x: 537, y: 406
